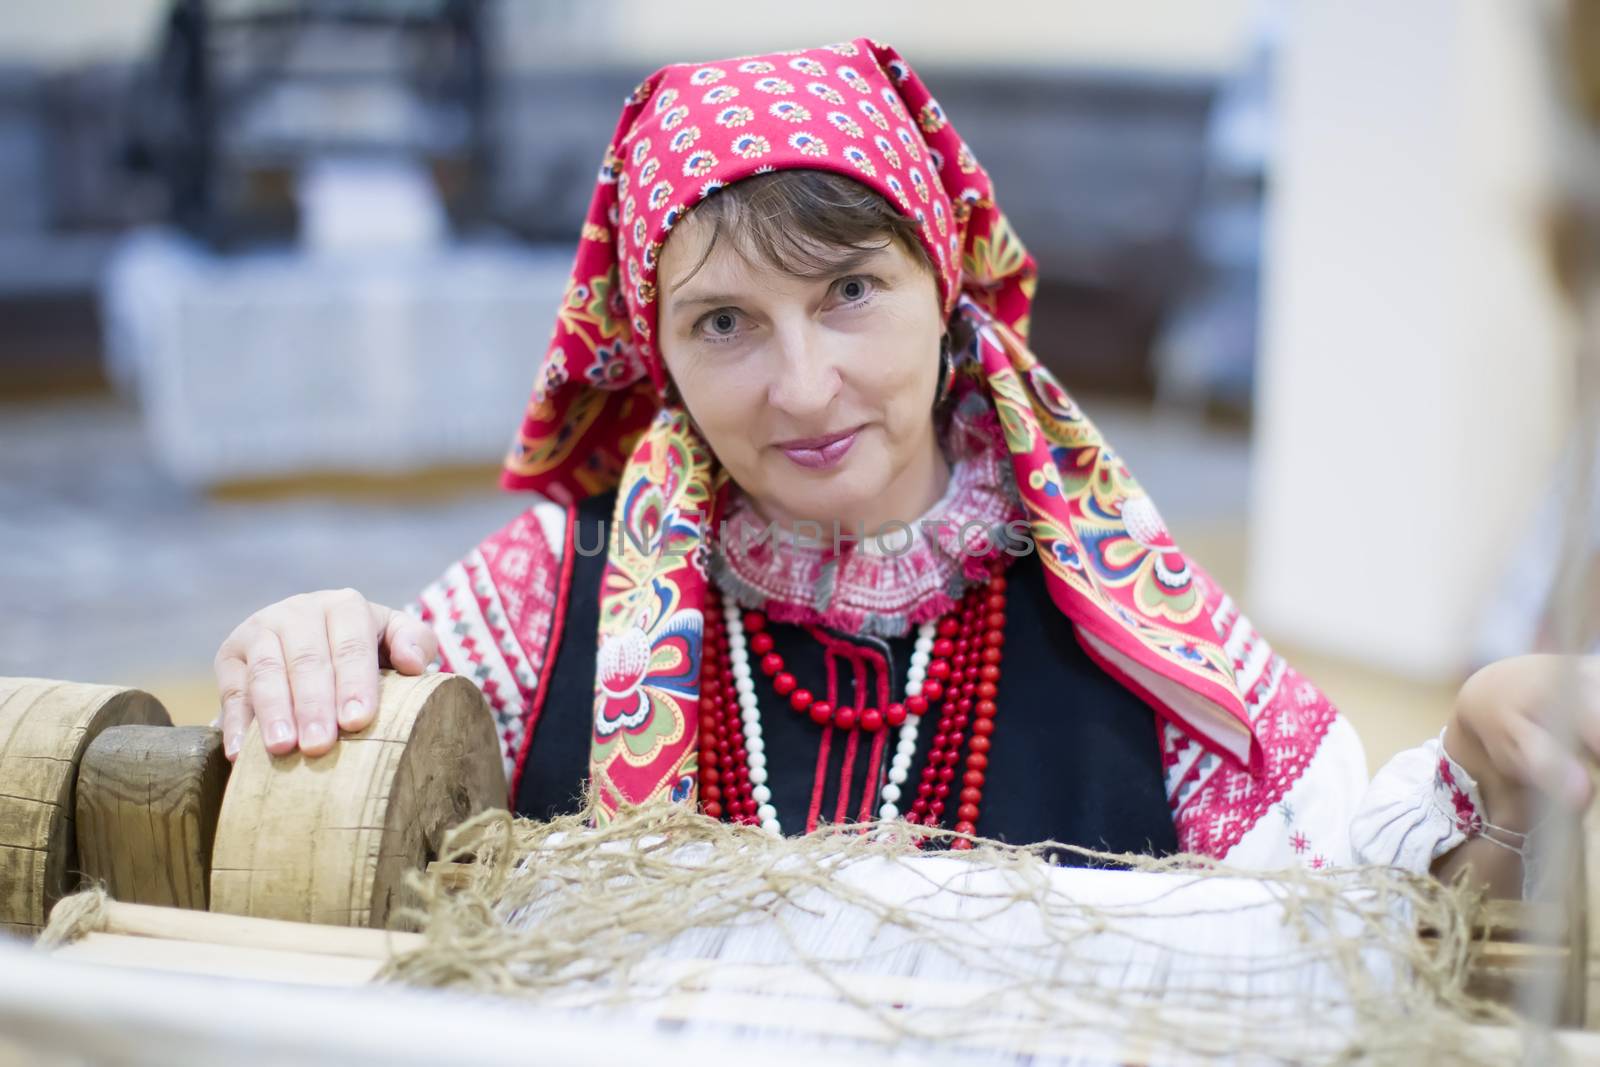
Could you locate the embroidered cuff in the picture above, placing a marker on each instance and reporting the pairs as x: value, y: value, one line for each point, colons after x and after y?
x: 1456, y: 793
x: 1420, y: 805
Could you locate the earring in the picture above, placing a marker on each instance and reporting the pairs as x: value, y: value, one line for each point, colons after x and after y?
x: 947, y: 372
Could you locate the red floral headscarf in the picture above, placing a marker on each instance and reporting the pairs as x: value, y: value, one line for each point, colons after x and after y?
x: 599, y: 418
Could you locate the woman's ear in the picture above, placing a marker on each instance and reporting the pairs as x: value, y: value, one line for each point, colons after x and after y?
x: 947, y: 371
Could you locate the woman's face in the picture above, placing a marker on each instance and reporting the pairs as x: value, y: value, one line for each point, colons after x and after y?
x: 816, y: 393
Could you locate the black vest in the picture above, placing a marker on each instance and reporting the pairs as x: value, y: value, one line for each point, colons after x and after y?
x: 1074, y: 755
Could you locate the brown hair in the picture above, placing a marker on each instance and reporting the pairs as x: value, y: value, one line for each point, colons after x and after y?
x: 794, y: 219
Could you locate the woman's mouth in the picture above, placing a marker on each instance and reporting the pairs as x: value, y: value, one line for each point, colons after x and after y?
x: 819, y: 453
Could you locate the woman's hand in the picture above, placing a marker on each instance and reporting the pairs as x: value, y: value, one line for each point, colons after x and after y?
x: 308, y: 666
x: 1500, y: 733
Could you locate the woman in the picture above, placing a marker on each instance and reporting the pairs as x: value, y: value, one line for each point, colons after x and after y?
x: 850, y: 552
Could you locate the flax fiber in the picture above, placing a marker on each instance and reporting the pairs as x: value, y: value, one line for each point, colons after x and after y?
x: 995, y: 948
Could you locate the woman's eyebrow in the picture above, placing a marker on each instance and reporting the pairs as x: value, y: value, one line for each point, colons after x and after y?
x: 683, y: 303
x: 850, y: 262
x: 853, y: 261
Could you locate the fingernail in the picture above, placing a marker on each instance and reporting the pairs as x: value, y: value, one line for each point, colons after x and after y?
x: 315, y: 735
x: 351, y: 714
x: 279, y: 732
x: 231, y: 743
x: 414, y: 650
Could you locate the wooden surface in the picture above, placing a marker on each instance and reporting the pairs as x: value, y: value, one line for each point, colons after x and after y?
x: 148, y: 800
x: 330, y: 839
x: 45, y: 726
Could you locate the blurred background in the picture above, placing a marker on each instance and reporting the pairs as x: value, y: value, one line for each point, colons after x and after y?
x: 275, y: 276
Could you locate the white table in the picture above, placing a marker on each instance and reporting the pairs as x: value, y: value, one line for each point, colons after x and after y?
x: 283, y: 362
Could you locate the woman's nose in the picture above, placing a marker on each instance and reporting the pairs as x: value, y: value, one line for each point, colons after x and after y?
x: 805, y: 379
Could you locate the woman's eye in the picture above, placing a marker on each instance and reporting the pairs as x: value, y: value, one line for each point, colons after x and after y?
x: 720, y: 324
x: 854, y: 290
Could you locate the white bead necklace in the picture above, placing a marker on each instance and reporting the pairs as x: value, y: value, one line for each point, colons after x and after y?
x: 749, y: 715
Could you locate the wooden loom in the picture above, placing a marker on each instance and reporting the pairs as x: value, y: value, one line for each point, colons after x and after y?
x: 287, y: 870
x: 207, y: 868
x: 101, y: 788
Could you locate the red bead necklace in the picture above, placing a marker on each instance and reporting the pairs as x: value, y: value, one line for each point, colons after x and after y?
x: 962, y: 680
x: 969, y: 700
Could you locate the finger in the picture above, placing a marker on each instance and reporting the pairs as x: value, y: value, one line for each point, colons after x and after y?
x: 305, y: 651
x: 411, y: 642
x: 1536, y: 760
x: 353, y: 644
x: 1588, y: 711
x: 267, y: 689
x: 233, y: 680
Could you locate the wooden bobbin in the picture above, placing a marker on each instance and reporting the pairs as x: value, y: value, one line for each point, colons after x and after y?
x: 330, y: 839
x: 148, y: 799
x: 45, y: 726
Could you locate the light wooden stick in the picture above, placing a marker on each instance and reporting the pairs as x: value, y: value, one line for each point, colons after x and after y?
x: 238, y: 931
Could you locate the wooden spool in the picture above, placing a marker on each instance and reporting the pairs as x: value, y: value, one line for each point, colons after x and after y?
x: 45, y: 726
x: 330, y: 839
x: 148, y: 799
